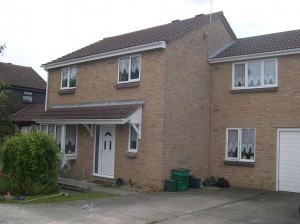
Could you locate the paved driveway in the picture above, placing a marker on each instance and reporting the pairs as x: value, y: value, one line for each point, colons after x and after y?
x: 210, y: 205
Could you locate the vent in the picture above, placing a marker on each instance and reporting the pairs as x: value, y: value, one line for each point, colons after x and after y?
x: 199, y: 15
x: 174, y: 21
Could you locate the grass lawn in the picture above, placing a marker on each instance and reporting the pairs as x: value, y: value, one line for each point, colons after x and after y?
x: 73, y: 196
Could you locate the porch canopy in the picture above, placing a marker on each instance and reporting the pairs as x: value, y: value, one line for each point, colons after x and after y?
x: 93, y: 113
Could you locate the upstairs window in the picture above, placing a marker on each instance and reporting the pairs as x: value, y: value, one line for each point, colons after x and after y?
x: 27, y: 97
x: 255, y: 74
x: 68, y: 78
x: 129, y: 69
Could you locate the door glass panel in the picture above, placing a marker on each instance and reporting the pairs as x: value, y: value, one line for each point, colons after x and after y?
x: 104, y: 147
x: 109, y: 145
x: 107, y: 134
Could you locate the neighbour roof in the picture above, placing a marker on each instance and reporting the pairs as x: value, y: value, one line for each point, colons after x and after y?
x: 28, y: 113
x: 262, y: 44
x: 18, y: 75
x: 91, y: 112
x: 165, y: 32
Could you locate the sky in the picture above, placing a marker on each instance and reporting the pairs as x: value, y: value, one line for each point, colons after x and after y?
x: 38, y: 31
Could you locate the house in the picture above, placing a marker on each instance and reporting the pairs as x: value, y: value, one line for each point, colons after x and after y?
x: 184, y: 94
x: 29, y: 90
x: 136, y: 106
x: 255, y: 118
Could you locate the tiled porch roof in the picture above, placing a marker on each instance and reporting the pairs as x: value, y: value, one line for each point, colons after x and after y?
x: 103, y: 112
x: 91, y: 112
x: 28, y: 114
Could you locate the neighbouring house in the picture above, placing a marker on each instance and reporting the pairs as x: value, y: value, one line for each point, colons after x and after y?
x: 255, y: 112
x: 137, y: 105
x: 29, y: 91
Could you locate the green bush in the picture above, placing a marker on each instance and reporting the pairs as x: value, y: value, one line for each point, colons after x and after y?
x: 31, y: 162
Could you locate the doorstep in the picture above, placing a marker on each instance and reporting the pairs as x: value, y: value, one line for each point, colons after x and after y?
x: 93, y: 186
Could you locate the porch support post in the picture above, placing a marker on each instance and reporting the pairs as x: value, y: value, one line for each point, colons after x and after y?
x: 90, y: 129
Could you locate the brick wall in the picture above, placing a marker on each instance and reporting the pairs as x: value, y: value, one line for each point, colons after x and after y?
x: 175, y: 84
x: 264, y: 111
x: 96, y: 82
x: 187, y: 100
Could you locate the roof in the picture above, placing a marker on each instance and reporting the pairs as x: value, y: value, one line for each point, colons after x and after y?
x: 166, y: 32
x: 92, y: 112
x: 18, y: 75
x: 117, y: 112
x: 28, y: 114
x: 283, y: 41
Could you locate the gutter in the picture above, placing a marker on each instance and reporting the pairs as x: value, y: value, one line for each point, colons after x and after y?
x: 129, y: 50
x: 254, y: 56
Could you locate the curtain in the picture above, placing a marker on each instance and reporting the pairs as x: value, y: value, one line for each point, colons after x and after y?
x: 232, y: 143
x: 254, y: 73
x: 123, y: 69
x: 269, y: 72
x: 239, y: 75
x: 70, y: 139
x: 135, y: 67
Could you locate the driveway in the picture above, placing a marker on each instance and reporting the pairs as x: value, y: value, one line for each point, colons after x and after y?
x: 209, y: 205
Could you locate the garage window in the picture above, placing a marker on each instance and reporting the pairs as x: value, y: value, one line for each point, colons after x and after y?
x: 240, y: 144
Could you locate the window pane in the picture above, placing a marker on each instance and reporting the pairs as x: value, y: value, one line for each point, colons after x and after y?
x: 133, y: 138
x: 135, y: 67
x: 123, y: 69
x: 270, y: 72
x: 43, y: 127
x: 64, y: 78
x: 239, y: 75
x: 51, y: 129
x: 58, y: 135
x: 27, y: 99
x: 248, y: 138
x: 70, y: 139
x: 232, y: 144
x: 254, y: 73
x: 72, y: 77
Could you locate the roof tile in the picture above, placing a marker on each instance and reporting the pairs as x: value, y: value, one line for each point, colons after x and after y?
x: 18, y: 75
x: 262, y: 44
x: 159, y: 33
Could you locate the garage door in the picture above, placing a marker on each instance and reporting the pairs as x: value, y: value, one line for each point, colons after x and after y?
x: 289, y: 160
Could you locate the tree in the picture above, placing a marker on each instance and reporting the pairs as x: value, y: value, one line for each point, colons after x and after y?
x: 2, y: 47
x: 31, y: 162
x: 6, y: 102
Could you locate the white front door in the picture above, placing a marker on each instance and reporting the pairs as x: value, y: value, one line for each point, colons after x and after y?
x: 105, y: 151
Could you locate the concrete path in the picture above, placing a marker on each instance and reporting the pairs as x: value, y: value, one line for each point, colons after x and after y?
x: 209, y: 205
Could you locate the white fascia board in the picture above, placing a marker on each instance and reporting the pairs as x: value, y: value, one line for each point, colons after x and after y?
x: 80, y: 121
x: 129, y: 50
x: 255, y: 56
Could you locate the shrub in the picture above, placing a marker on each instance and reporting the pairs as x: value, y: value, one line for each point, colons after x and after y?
x: 31, y: 163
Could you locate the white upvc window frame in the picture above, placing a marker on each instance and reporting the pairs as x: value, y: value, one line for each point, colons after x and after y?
x: 129, y: 139
x: 129, y: 70
x: 239, y: 155
x: 263, y: 85
x: 63, y: 138
x: 27, y: 97
x: 68, y: 78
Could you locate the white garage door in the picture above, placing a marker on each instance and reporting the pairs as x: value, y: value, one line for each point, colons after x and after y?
x: 289, y: 160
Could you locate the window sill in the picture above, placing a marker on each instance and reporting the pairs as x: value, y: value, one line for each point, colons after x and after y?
x: 239, y: 163
x: 270, y: 89
x: 66, y: 91
x: 127, y: 85
x: 71, y: 157
x: 131, y: 155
